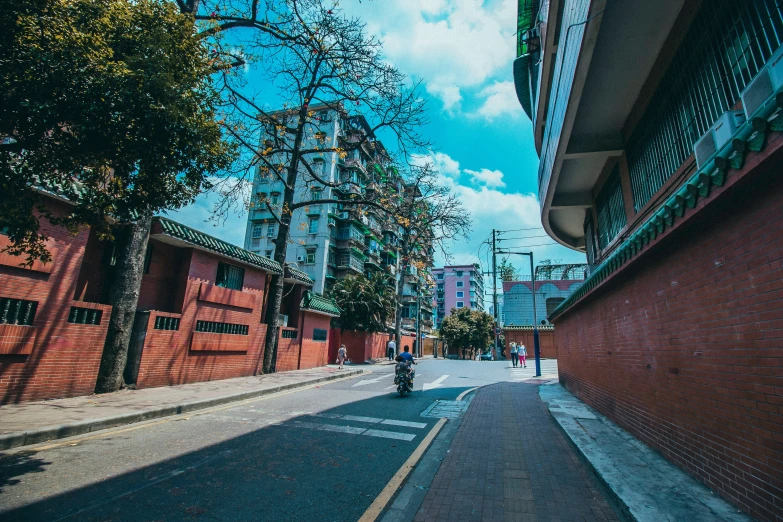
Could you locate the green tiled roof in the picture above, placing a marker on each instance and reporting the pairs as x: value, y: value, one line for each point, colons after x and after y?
x: 298, y: 275
x: 213, y: 244
x: 318, y: 303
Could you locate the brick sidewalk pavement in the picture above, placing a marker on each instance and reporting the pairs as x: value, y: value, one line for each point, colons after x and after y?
x: 509, y: 461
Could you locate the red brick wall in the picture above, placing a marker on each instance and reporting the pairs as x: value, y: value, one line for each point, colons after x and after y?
x: 546, y: 342
x: 314, y: 353
x: 159, y: 286
x: 684, y: 347
x: 65, y: 357
x: 287, y: 353
x: 167, y: 358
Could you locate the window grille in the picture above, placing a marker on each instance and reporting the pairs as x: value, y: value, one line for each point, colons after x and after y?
x: 221, y: 328
x: 289, y: 334
x: 313, y: 226
x: 552, y: 303
x: 166, y: 323
x: 80, y: 315
x: 610, y: 208
x: 229, y: 276
x: 17, y: 311
x: 590, y: 247
x: 320, y: 334
x: 724, y: 48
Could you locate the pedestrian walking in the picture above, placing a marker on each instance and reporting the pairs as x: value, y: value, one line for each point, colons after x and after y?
x: 522, y: 353
x: 514, y: 354
x: 391, y: 349
x: 341, y: 355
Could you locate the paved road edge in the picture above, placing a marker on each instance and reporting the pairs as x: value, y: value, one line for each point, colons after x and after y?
x: 27, y: 438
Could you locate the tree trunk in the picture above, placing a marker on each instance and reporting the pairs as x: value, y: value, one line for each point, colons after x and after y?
x: 400, y: 290
x: 274, y: 301
x: 130, y: 249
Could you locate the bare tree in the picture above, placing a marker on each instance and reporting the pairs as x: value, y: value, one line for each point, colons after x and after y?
x: 324, y: 67
x: 430, y: 217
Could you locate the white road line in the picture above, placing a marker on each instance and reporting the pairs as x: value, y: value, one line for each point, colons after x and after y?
x: 436, y: 383
x: 405, y: 424
x: 357, y: 418
x: 365, y: 382
x: 342, y: 429
x: 390, y: 435
x: 390, y: 387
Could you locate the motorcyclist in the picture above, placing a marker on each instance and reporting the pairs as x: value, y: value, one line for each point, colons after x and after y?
x: 407, y: 359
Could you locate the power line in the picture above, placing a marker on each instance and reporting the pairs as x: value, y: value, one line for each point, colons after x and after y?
x: 519, y: 230
x: 523, y: 237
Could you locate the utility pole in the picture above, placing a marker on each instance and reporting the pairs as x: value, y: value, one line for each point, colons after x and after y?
x: 418, y: 324
x: 495, y: 293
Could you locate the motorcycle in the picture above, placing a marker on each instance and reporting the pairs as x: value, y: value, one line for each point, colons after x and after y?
x: 403, y: 379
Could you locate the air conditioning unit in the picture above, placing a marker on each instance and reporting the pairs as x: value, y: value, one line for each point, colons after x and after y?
x: 282, y: 320
x: 332, y: 222
x: 718, y: 136
x: 763, y: 88
x: 300, y: 259
x: 726, y: 126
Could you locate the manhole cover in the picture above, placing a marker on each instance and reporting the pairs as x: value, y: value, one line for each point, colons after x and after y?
x: 447, y: 409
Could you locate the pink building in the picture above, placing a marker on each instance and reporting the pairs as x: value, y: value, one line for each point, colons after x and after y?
x: 457, y: 286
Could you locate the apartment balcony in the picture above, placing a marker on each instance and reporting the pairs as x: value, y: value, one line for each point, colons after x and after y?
x: 355, y: 163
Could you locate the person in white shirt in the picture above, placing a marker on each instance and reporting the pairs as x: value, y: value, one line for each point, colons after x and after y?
x: 522, y: 353
x: 391, y: 349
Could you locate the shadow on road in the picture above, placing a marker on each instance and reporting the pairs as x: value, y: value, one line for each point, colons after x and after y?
x: 284, y: 471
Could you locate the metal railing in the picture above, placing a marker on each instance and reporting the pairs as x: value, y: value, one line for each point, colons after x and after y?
x: 17, y: 311
x: 80, y: 315
x: 725, y: 46
x: 166, y: 323
x: 221, y: 328
x: 610, y: 207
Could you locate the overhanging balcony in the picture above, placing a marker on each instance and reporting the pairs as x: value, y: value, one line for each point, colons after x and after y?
x: 600, y: 70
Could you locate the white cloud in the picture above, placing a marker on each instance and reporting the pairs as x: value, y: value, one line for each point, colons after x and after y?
x: 490, y: 178
x: 500, y: 98
x: 451, y: 45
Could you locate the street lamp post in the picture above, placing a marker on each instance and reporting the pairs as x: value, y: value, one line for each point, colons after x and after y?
x: 536, y: 346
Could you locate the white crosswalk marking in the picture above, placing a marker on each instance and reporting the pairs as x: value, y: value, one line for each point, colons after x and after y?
x: 357, y: 430
x: 405, y: 424
x: 520, y: 373
x: 356, y: 418
x: 390, y: 435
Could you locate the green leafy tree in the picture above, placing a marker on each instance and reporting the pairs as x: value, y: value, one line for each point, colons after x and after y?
x: 367, y: 303
x: 465, y: 328
x: 110, y: 104
x: 507, y: 271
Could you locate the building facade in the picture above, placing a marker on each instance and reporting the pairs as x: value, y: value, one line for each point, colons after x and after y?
x: 554, y: 283
x: 200, y: 313
x: 658, y: 130
x: 457, y: 286
x: 330, y: 241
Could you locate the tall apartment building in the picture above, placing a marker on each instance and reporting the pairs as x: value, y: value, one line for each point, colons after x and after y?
x: 457, y: 286
x: 658, y: 126
x: 330, y: 241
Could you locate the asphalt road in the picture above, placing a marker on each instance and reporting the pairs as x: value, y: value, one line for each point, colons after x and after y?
x: 322, y: 453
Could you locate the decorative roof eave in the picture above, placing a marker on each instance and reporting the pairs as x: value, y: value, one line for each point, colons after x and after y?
x: 316, y: 303
x: 214, y: 245
x: 528, y: 328
x: 294, y: 276
x: 712, y: 175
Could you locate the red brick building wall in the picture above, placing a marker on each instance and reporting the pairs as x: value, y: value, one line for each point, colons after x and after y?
x: 51, y: 358
x: 684, y: 347
x: 546, y: 342
x: 287, y: 352
x: 175, y: 357
x: 314, y: 353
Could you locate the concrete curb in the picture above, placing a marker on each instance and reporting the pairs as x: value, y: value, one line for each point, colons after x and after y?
x: 26, y: 438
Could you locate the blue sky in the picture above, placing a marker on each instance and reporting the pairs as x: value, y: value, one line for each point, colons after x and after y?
x: 463, y: 50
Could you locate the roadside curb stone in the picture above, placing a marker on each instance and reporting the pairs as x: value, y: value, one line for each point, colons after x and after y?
x: 36, y: 436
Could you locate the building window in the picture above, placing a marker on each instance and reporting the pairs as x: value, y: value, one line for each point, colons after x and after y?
x: 310, y: 257
x: 261, y: 197
x: 440, y: 287
x: 460, y: 294
x: 258, y: 231
x: 460, y: 284
x: 459, y: 273
x: 610, y: 209
x: 229, y: 276
x: 275, y: 198
x: 315, y: 194
x: 166, y: 323
x: 312, y: 227
x: 80, y: 315
x: 269, y: 254
x: 222, y: 328
x: 289, y: 334
x: 148, y: 259
x: 17, y: 311
x: 460, y: 304
x: 272, y: 230
x: 552, y: 303
x: 473, y: 304
x: 319, y: 334
x: 590, y: 246
x: 440, y: 276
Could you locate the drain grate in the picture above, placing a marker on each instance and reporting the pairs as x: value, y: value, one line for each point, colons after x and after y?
x: 447, y: 409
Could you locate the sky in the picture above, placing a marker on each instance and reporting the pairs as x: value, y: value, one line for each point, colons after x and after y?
x: 463, y: 51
